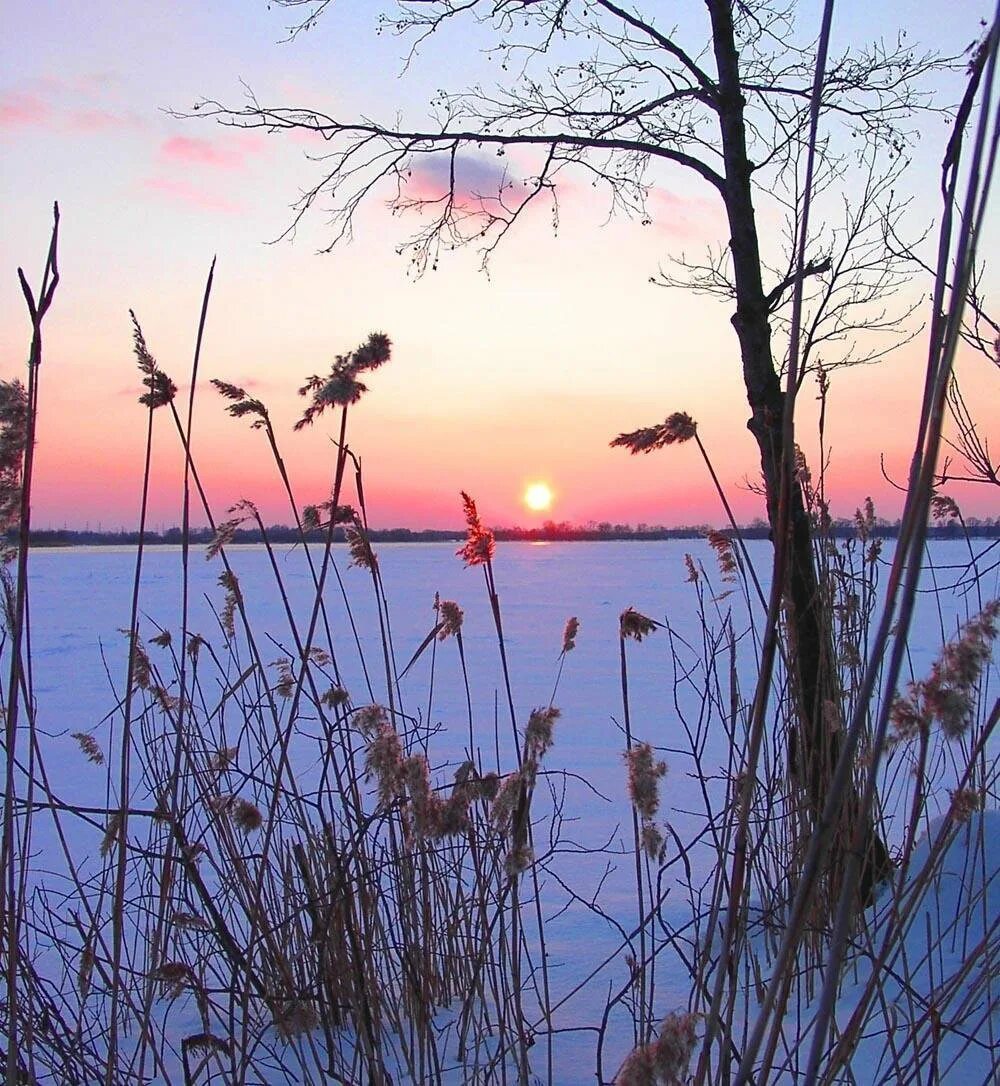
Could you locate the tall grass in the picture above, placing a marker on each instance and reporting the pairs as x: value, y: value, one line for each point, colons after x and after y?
x: 287, y: 882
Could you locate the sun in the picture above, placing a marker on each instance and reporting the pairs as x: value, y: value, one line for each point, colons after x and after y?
x: 538, y: 497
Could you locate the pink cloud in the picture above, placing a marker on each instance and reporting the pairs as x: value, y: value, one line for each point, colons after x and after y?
x: 47, y: 100
x: 20, y: 110
x: 185, y: 193
x: 476, y: 185
x: 687, y: 218
x: 190, y: 150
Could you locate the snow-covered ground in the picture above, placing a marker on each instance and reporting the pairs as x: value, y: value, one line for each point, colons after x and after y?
x: 950, y: 1010
x: 80, y: 601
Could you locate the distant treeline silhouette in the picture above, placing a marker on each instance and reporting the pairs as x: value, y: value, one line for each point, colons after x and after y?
x: 549, y: 531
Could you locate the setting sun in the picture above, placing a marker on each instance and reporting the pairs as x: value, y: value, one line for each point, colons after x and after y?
x: 538, y: 497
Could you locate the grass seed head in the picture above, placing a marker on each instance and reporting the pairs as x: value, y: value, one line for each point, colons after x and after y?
x: 230, y: 392
x: 13, y: 435
x: 341, y: 387
x: 246, y: 816
x: 310, y: 518
x: 948, y: 695
x: 725, y: 554
x: 231, y: 603
x: 142, y: 675
x: 489, y: 786
x: 85, y: 969
x: 944, y: 508
x: 454, y: 815
x: 518, y: 860
x: 175, y: 977
x: 195, y: 642
x: 538, y: 733
x: 369, y: 719
x: 241, y: 403
x: 480, y: 544
x: 189, y: 920
x: 426, y: 806
x: 360, y: 548
x: 635, y: 625
x: 224, y: 533
x: 89, y: 746
x: 674, y: 430
x: 644, y: 773
x: 295, y: 1018
x: 451, y: 618
x: 285, y: 686
x: 335, y: 697
x: 964, y: 803
x: 673, y: 1048
x: 652, y: 841
x: 111, y: 832
x: 505, y: 800
x: 222, y: 759
x: 208, y: 1043
x: 637, y: 1070
x: 803, y: 475
x: 864, y: 520
x: 166, y: 701
x: 384, y: 761
x: 161, y: 389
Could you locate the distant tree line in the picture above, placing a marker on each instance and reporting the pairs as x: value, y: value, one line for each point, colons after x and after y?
x: 276, y: 533
x: 842, y: 528
x: 549, y: 531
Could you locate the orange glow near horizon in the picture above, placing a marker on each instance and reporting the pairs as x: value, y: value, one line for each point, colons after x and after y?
x: 538, y: 497
x: 509, y: 387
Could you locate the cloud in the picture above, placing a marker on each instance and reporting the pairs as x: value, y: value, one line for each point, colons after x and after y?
x: 42, y: 102
x: 686, y: 218
x: 477, y: 180
x: 22, y: 110
x: 228, y: 155
x: 188, y: 150
x: 183, y: 192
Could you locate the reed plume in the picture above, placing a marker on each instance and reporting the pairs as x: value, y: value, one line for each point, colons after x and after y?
x: 480, y: 544
x: 674, y: 430
x: 341, y: 387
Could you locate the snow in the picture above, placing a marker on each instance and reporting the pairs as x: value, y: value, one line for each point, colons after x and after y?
x: 935, y: 1010
x: 80, y: 600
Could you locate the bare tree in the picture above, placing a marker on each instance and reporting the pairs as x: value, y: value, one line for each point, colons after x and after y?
x: 853, y: 309
x: 981, y: 333
x: 980, y: 330
x: 978, y: 464
x: 603, y: 88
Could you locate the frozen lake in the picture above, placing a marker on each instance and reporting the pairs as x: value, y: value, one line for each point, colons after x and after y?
x: 80, y: 602
x: 81, y: 598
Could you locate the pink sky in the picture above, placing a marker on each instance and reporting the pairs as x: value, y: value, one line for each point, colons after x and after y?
x: 495, y: 382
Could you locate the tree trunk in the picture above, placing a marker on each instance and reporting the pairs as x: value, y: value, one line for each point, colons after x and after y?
x: 815, y: 748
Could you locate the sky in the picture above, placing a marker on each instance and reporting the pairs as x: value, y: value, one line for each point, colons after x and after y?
x: 496, y: 382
